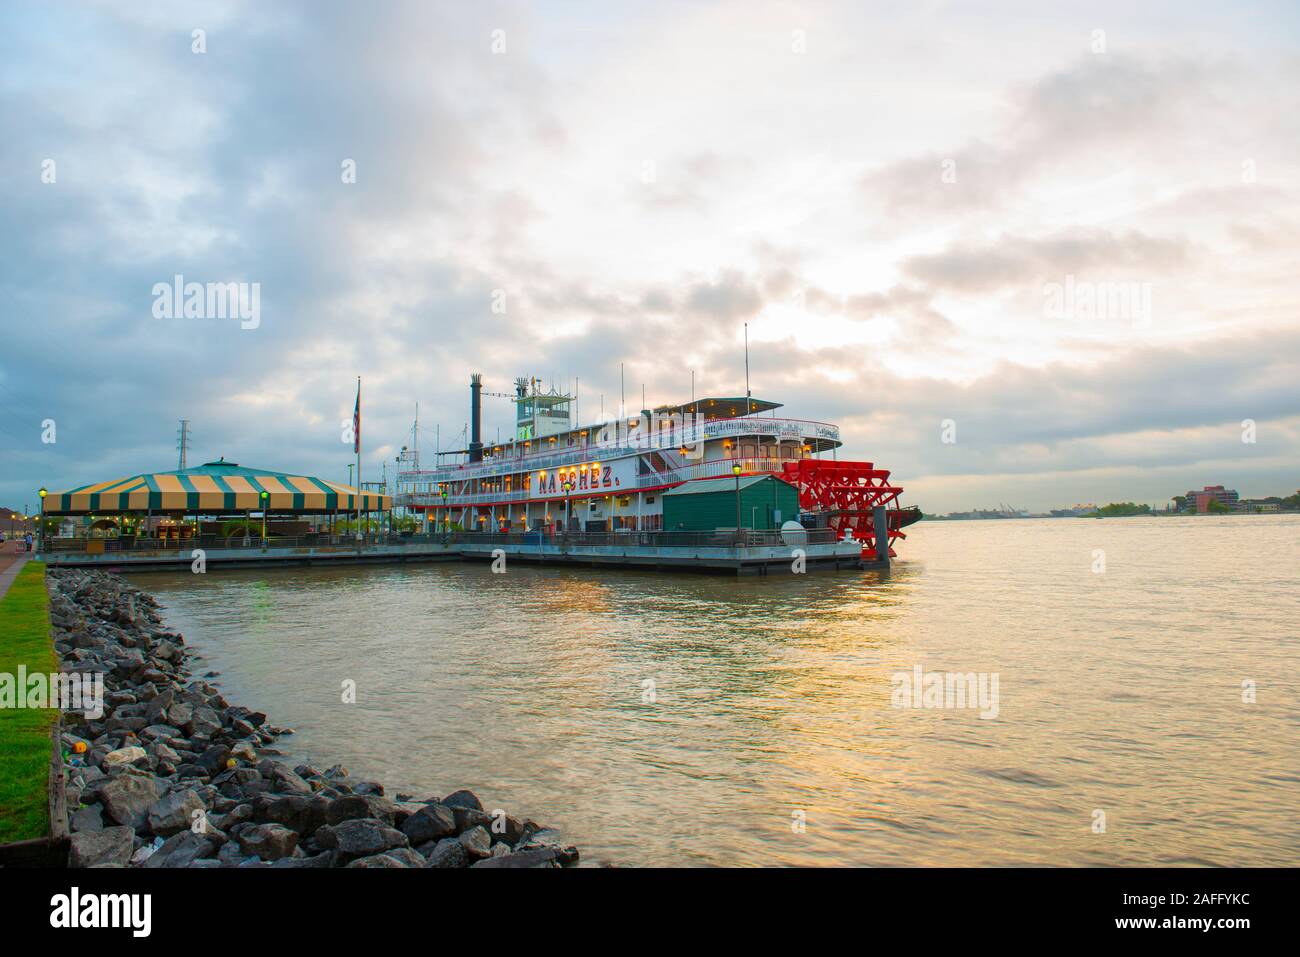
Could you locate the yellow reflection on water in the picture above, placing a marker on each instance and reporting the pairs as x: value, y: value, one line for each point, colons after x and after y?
x: 772, y: 696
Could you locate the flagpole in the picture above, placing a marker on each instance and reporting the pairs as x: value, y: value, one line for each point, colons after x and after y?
x: 358, y: 451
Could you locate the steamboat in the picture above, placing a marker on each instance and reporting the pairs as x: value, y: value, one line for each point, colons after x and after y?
x: 669, y: 469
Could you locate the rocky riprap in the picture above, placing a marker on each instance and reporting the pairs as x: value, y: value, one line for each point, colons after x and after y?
x: 168, y: 746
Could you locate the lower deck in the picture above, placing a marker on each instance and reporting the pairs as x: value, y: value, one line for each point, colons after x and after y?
x: 727, y: 553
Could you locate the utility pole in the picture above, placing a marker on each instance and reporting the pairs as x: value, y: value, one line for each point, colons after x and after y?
x: 183, y: 441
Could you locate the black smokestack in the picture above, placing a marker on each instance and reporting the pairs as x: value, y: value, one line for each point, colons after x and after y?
x: 476, y: 417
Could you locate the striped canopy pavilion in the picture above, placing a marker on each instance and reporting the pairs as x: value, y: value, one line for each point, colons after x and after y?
x: 216, y: 488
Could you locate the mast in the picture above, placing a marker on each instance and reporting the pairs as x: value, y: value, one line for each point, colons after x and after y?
x: 748, y: 404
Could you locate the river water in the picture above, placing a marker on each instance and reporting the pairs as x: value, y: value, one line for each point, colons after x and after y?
x: 681, y: 719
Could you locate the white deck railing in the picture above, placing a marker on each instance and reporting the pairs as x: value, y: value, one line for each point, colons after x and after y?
x: 795, y: 430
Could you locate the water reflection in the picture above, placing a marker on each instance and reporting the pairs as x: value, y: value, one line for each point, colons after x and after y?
x: 772, y: 696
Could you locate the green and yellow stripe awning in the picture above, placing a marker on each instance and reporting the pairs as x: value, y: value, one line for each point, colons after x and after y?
x: 215, y: 488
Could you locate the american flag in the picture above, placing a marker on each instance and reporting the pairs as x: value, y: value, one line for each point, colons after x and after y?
x: 356, y: 422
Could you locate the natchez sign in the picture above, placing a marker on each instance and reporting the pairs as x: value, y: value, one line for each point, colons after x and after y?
x: 592, y: 478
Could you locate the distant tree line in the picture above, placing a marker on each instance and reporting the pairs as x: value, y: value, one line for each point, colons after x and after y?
x: 1120, y: 509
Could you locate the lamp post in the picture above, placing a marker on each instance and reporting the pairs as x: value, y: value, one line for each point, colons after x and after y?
x: 735, y: 470
x: 265, y: 497
x: 40, y: 532
x: 446, y: 515
x: 567, y: 485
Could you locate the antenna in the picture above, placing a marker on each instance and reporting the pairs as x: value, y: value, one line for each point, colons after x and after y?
x: 747, y: 393
x: 183, y: 442
x: 622, y: 394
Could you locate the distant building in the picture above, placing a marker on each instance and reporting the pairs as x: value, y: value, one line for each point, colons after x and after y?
x: 1074, y: 511
x: 14, y: 523
x: 1261, y: 505
x: 1200, y: 501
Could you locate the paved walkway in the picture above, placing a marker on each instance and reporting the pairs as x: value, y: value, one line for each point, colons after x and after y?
x: 10, y: 566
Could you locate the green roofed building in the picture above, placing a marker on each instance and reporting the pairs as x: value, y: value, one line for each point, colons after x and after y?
x: 216, y: 488
x: 707, y: 504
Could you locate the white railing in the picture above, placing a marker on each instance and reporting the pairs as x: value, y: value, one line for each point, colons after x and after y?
x: 722, y: 468
x: 796, y: 430
x: 719, y: 468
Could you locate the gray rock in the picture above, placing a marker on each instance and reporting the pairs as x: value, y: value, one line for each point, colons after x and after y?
x: 378, y: 860
x: 537, y: 857
x: 477, y: 842
x: 468, y: 817
x: 323, y: 859
x: 109, y: 845
x: 283, y: 781
x: 158, y: 706
x: 463, y: 798
x: 205, y: 721
x: 448, y: 852
x: 404, y: 807
x: 180, y: 715
x: 146, y: 851
x: 87, y: 776
x: 179, y: 850
x: 270, y: 842
x: 130, y: 755
x: 128, y: 797
x: 236, y: 815
x: 231, y: 855
x: 408, y: 857
x: 88, y: 818
x: 164, y: 752
x: 354, y: 806
x: 296, y: 811
x: 362, y: 837
x: 161, y: 732
x: 174, y: 812
x: 506, y: 828
x: 244, y: 751
x: 213, y: 759
x: 431, y: 822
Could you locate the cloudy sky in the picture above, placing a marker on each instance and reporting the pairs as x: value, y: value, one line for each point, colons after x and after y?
x: 1073, y: 230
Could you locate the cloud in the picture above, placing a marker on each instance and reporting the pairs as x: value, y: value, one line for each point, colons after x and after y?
x: 802, y: 194
x: 975, y: 266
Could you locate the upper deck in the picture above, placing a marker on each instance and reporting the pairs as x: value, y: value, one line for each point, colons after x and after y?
x: 618, y: 439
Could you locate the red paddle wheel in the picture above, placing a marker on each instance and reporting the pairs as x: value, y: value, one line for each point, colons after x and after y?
x: 850, y: 492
